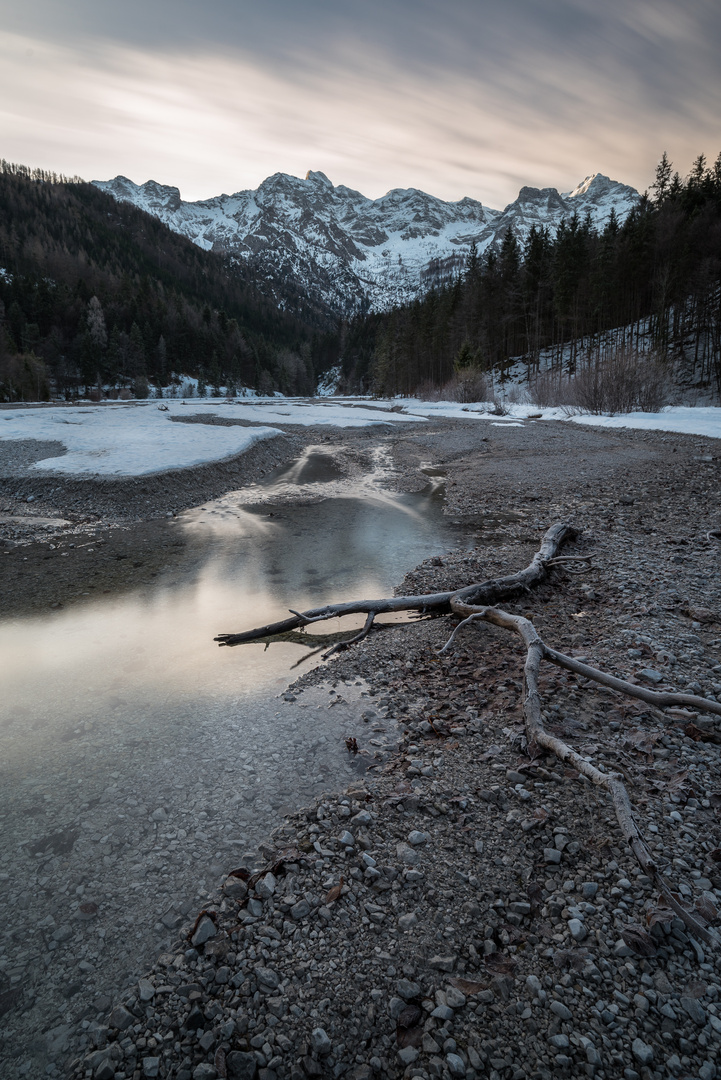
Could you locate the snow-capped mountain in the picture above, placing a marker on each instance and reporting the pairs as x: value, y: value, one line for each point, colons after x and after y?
x: 352, y: 253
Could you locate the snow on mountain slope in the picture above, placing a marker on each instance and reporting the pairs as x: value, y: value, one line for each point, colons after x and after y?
x: 351, y: 253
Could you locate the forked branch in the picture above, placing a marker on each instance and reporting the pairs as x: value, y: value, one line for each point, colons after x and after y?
x: 538, y: 736
x: 485, y: 592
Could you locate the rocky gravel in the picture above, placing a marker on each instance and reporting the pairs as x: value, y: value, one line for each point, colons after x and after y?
x: 467, y: 908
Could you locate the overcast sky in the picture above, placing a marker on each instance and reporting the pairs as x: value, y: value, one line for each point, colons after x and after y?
x: 460, y: 97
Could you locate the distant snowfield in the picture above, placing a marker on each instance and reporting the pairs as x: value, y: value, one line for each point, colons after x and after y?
x: 138, y: 439
x: 682, y: 419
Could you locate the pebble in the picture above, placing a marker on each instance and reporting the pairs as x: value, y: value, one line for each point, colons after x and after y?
x: 642, y: 1052
x: 320, y: 1043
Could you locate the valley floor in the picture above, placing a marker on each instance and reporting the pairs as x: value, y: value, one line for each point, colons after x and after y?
x: 483, y: 897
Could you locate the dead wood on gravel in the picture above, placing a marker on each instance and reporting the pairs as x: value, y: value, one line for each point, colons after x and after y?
x: 473, y: 603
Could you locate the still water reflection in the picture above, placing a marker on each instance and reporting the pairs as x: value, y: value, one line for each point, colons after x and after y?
x: 139, y: 762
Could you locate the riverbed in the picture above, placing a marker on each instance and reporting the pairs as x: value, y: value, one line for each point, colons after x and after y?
x: 141, y: 763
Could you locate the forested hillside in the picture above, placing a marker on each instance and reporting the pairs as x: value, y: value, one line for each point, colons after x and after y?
x: 96, y: 293
x: 658, y: 273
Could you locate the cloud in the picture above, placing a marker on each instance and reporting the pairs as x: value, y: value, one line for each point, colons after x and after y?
x: 464, y: 99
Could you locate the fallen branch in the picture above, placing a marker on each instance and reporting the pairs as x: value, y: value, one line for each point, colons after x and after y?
x: 537, y: 735
x: 485, y: 592
x: 473, y: 604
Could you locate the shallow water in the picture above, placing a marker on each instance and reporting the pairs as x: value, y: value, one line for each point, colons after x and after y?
x: 139, y: 762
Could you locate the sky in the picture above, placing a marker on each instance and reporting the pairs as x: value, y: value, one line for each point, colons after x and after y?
x: 456, y: 97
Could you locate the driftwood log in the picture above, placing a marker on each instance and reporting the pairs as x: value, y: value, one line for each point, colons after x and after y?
x: 473, y: 604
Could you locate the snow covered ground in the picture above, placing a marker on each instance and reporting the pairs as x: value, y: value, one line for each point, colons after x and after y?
x: 683, y: 419
x: 136, y: 439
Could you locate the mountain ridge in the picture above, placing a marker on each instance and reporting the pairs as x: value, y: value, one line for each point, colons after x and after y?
x: 351, y: 253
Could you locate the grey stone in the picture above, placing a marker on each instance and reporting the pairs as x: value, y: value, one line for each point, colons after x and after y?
x: 105, y: 1070
x: 255, y: 907
x: 589, y: 890
x: 266, y: 886
x: 235, y: 888
x: 514, y: 777
x: 416, y: 837
x: 146, y: 990
x: 455, y: 1065
x: 63, y: 933
x: 443, y: 963
x: 474, y: 1058
x: 443, y: 1012
x: 241, y: 1066
x: 692, y: 1007
x: 642, y: 1052
x: 430, y: 1045
x: 533, y: 985
x: 408, y: 1055
x: 299, y: 910
x: 151, y: 1066
x: 320, y: 1042
x: 707, y: 1071
x: 206, y: 930
x: 396, y: 1005
x: 455, y: 998
x: 551, y: 855
x: 267, y: 977
x: 120, y: 1018
x: 559, y: 1042
x: 649, y: 675
x: 622, y: 949
x: 407, y: 989
x: 223, y: 974
x: 204, y: 1071
x: 408, y: 855
x: 347, y: 839
x: 159, y: 815
x: 577, y: 929
x: 407, y: 922
x: 206, y: 1041
x: 363, y: 817
x: 560, y: 1010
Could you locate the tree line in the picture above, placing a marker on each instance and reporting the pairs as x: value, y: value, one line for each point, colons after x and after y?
x: 95, y: 294
x: 657, y: 276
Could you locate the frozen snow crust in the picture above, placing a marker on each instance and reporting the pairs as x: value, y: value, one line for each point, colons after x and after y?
x: 138, y: 439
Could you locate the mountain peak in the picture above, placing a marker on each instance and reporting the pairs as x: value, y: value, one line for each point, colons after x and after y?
x: 318, y: 178
x: 347, y: 252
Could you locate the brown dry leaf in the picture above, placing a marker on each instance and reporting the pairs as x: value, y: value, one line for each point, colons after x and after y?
x: 334, y: 893
x: 409, y: 1016
x: 715, y: 798
x: 500, y: 964
x: 535, y: 895
x: 639, y: 940
x: 467, y: 986
x: 409, y: 1037
x: 660, y: 914
x: 715, y: 854
x: 241, y: 872
x: 219, y: 1062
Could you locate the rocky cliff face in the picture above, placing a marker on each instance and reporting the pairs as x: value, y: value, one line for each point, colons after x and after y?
x: 350, y: 253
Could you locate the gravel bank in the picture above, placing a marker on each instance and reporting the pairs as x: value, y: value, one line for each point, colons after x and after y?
x: 465, y: 910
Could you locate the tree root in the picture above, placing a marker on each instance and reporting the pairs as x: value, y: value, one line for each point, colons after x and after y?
x: 537, y: 735
x: 473, y: 604
x: 485, y: 592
